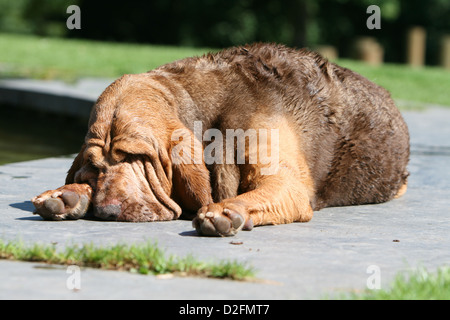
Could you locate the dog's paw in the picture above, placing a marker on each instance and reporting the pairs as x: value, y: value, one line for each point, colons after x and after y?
x: 223, y: 220
x: 68, y: 202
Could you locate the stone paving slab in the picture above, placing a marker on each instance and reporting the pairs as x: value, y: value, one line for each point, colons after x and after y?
x: 328, y: 255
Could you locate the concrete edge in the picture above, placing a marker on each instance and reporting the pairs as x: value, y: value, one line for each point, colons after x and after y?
x: 49, y: 96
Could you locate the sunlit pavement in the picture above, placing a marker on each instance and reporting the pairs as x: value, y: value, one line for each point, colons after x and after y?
x: 341, y: 249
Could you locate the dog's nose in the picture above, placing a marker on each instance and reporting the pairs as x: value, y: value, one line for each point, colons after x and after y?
x: 108, y: 212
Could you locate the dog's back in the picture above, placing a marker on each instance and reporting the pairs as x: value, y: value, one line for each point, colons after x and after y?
x: 339, y: 140
x: 352, y: 135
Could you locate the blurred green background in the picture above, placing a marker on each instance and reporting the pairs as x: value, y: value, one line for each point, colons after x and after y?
x: 136, y: 36
x: 221, y: 23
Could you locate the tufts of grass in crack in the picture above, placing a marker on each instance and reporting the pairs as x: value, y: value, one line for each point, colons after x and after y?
x: 144, y: 258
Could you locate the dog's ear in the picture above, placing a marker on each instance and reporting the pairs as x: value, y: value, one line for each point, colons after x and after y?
x: 155, y: 153
x: 99, y: 126
x: 191, y: 182
x: 156, y: 164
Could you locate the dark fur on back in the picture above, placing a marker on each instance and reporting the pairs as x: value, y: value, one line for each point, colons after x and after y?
x: 339, y: 140
x: 354, y: 138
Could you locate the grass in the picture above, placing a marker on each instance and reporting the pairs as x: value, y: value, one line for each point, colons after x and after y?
x: 427, y: 84
x: 416, y: 285
x: 69, y: 59
x: 145, y: 258
x: 148, y: 258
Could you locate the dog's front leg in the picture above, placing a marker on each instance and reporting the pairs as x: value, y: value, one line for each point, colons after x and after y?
x: 69, y: 202
x: 277, y: 200
x: 272, y: 192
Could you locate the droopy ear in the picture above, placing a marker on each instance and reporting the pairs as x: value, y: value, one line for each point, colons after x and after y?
x: 156, y: 162
x: 191, y: 184
x: 76, y: 165
x: 156, y: 154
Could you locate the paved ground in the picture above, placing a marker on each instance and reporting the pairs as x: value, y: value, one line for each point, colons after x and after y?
x: 329, y: 255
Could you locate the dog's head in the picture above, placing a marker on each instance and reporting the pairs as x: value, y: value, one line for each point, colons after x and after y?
x: 125, y: 156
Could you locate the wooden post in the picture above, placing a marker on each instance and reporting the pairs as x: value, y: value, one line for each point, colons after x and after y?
x: 445, y: 52
x: 328, y: 52
x: 369, y: 50
x: 415, y: 55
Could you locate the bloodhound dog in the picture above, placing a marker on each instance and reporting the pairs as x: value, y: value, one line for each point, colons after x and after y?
x: 254, y: 135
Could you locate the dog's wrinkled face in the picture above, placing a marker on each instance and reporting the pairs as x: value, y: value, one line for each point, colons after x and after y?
x: 125, y: 158
x: 128, y: 187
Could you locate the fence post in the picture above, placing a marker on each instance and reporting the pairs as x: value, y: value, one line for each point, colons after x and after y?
x: 328, y: 52
x: 445, y: 52
x: 368, y: 50
x: 415, y: 54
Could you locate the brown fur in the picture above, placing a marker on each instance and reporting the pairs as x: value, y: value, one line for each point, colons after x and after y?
x: 342, y: 141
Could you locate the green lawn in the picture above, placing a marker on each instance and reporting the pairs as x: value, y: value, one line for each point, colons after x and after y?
x: 428, y: 84
x: 35, y: 57
x: 48, y: 58
x: 416, y: 285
